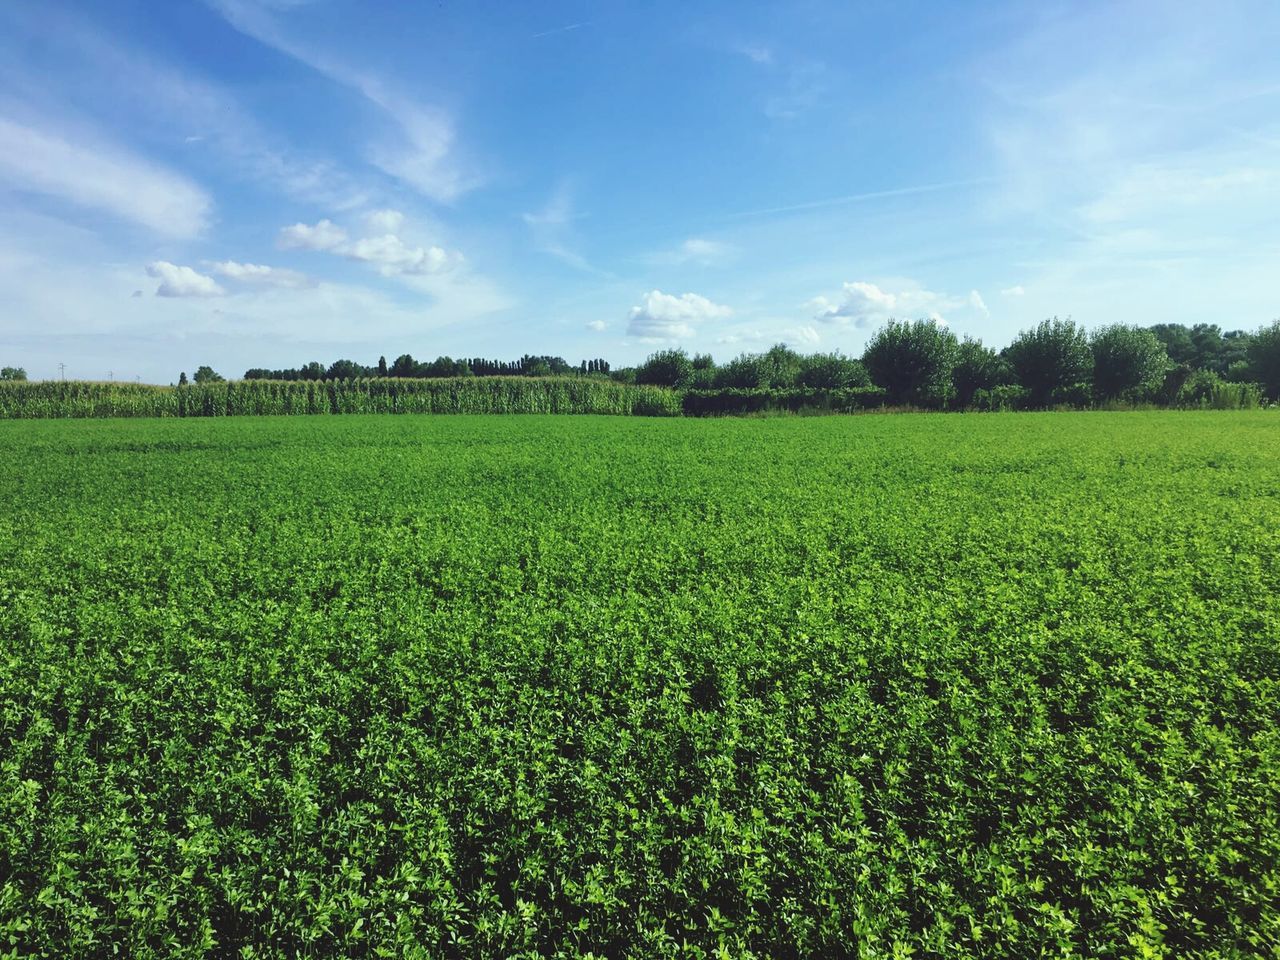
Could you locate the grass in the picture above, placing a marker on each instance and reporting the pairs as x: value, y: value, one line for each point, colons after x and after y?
x: 941, y: 685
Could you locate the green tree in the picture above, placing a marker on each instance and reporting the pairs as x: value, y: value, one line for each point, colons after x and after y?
x: 665, y: 368
x: 1127, y: 361
x: 977, y: 368
x: 206, y: 374
x: 344, y: 370
x: 13, y: 373
x: 912, y: 361
x: 1264, y: 359
x: 743, y: 372
x: 832, y: 371
x: 1050, y: 358
x: 382, y: 366
x: 182, y: 379
x: 404, y: 366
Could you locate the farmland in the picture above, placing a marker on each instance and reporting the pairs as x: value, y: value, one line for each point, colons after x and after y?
x: 883, y: 686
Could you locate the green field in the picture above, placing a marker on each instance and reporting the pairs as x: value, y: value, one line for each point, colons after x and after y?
x: 890, y: 686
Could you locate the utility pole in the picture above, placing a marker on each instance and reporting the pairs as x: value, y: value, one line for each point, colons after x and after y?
x: 62, y: 372
x: 111, y: 375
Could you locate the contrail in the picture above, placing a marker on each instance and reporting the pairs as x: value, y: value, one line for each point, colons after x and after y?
x: 564, y: 29
x: 858, y: 197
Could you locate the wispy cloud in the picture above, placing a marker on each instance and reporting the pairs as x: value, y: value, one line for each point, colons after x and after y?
x: 164, y: 102
x: 553, y: 231
x: 695, y: 250
x: 78, y: 167
x: 421, y: 155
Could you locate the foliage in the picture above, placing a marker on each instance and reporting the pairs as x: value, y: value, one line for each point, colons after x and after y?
x: 728, y: 401
x: 976, y: 368
x: 1204, y: 390
x: 832, y: 371
x: 13, y: 374
x: 1050, y: 360
x: 257, y: 397
x: 912, y: 361
x: 930, y: 686
x: 206, y: 374
x: 1127, y: 362
x: 1264, y: 359
x: 666, y: 368
x: 1203, y: 346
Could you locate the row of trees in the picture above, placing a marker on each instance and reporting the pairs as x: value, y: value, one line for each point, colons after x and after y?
x: 13, y: 374
x: 923, y: 364
x: 407, y: 367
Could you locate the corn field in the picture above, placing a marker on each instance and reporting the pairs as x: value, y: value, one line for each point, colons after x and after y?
x: 381, y: 395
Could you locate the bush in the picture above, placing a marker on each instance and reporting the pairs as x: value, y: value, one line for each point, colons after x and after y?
x: 1007, y: 396
x: 832, y: 371
x: 731, y: 401
x: 666, y: 368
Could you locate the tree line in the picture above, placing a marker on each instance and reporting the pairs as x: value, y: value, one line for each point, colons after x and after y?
x: 921, y: 363
x: 405, y: 366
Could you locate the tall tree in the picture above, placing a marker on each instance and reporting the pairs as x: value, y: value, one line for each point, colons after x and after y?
x: 1050, y: 358
x: 912, y: 361
x: 1264, y: 359
x: 977, y: 368
x: 1127, y: 361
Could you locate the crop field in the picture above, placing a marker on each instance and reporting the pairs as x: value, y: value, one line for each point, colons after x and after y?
x: 879, y: 686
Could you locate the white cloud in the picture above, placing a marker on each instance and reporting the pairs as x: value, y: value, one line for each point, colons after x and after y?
x: 806, y: 335
x: 384, y: 221
x: 860, y: 303
x: 325, y: 235
x: 388, y: 252
x: 662, y: 316
x: 178, y: 281
x: 392, y: 256
x: 258, y: 275
x: 103, y: 177
x: 1015, y: 291
x: 863, y: 304
x: 597, y: 325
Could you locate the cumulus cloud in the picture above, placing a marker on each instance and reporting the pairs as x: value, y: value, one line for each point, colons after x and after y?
x: 663, y: 316
x: 392, y: 256
x: 597, y: 325
x: 387, y: 251
x: 860, y: 303
x: 178, y: 281
x: 864, y: 304
x: 259, y: 275
x: 807, y: 335
x: 325, y: 235
x: 384, y: 221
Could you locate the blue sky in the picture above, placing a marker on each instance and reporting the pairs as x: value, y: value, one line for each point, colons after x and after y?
x: 249, y: 183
